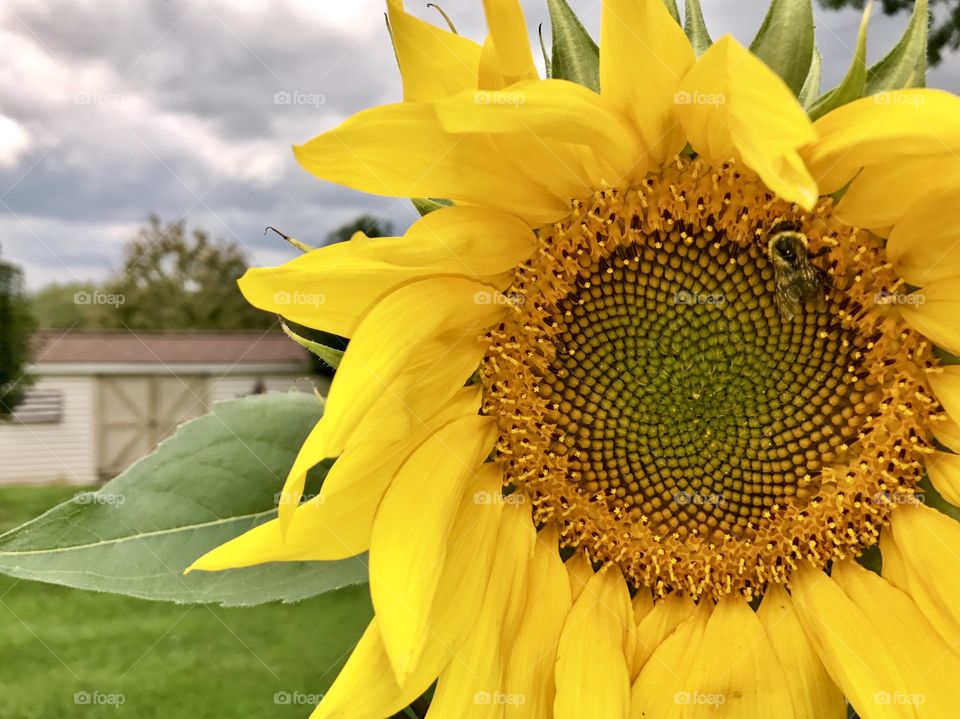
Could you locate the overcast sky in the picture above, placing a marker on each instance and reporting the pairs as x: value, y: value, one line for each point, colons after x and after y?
x: 114, y: 109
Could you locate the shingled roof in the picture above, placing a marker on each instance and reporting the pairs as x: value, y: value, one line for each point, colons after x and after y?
x: 129, y: 347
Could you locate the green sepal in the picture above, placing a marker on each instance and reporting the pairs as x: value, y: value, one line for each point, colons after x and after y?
x: 426, y: 205
x: 811, y: 86
x: 853, y: 84
x: 446, y: 17
x: 871, y: 559
x: 547, y: 62
x: 785, y: 41
x: 576, y: 57
x: 695, y: 27
x: 302, y: 246
x: 674, y: 10
x: 328, y: 354
x: 906, y: 64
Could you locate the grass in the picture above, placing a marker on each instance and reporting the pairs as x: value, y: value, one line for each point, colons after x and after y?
x: 59, y: 646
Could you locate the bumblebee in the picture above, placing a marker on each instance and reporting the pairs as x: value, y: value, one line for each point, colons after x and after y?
x: 798, y: 281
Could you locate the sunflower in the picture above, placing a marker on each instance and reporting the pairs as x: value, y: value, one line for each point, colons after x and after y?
x: 615, y: 450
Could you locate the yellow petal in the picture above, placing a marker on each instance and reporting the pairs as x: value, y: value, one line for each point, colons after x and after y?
x: 406, y: 558
x: 434, y: 63
x: 507, y: 56
x: 737, y: 673
x: 403, y: 151
x: 658, y: 624
x: 733, y: 106
x: 929, y: 666
x: 334, y: 287
x: 530, y: 666
x: 548, y: 110
x: 883, y: 193
x: 643, y: 55
x: 580, y: 572
x: 890, y: 126
x: 812, y: 690
x: 337, y: 523
x: 472, y: 684
x: 858, y: 660
x: 367, y: 685
x: 923, y: 244
x: 593, y: 677
x: 945, y: 383
x: 928, y: 541
x: 661, y: 690
x: 936, y: 316
x: 948, y: 432
x: 943, y: 469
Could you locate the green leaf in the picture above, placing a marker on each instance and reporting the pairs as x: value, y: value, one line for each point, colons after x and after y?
x: 785, y: 40
x: 906, y: 64
x: 426, y: 205
x: 217, y: 477
x: 328, y: 354
x: 674, y: 10
x: 811, y: 86
x: 854, y: 82
x: 576, y: 56
x: 695, y: 27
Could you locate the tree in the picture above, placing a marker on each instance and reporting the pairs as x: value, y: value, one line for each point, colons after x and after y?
x: 61, y: 307
x: 16, y: 324
x: 172, y: 280
x: 944, y: 34
x: 368, y: 224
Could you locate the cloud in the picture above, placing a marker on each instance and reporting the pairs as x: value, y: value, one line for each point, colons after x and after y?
x: 187, y: 108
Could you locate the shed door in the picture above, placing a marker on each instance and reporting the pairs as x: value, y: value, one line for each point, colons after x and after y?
x: 135, y: 413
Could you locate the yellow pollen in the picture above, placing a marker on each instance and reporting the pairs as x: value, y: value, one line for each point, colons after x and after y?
x: 655, y: 403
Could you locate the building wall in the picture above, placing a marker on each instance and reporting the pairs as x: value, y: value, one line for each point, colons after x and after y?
x: 233, y: 386
x: 56, y: 452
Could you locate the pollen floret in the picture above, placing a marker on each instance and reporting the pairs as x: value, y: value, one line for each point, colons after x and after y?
x: 656, y: 405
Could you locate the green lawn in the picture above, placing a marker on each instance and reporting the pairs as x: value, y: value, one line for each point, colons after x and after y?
x: 161, y: 660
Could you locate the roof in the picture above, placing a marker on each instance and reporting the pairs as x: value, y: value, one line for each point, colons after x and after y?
x: 59, y: 347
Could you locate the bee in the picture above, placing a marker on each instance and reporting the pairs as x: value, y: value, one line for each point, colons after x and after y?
x: 797, y: 280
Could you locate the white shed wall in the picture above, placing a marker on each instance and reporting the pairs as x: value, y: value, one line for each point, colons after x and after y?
x: 233, y: 386
x: 50, y: 453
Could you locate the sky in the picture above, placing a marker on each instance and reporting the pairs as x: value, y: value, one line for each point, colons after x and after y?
x: 111, y: 110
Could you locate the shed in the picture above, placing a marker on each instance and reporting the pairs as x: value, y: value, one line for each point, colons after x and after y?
x: 101, y: 400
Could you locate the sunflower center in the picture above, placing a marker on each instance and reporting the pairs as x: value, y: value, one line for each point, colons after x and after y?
x: 676, y: 413
x: 682, y: 393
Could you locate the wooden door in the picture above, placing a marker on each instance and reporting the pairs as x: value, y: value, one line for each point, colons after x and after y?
x: 134, y: 413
